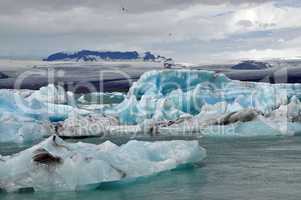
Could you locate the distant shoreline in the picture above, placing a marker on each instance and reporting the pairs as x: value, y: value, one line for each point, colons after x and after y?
x: 118, y: 76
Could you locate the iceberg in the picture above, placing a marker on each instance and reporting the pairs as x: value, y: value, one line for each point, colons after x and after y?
x: 165, y: 102
x: 290, y: 112
x: 168, y: 96
x: 224, y: 126
x: 24, y: 118
x: 54, y: 165
x: 51, y: 94
x: 243, y: 123
x: 286, y: 118
x: 20, y: 129
x: 175, y: 92
x: 12, y: 102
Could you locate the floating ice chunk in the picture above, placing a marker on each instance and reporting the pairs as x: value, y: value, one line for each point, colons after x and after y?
x: 12, y: 102
x: 20, y: 129
x: 254, y: 128
x: 290, y: 112
x: 50, y: 94
x: 244, y: 123
x: 244, y: 115
x: 54, y: 165
x: 227, y: 124
x: 90, y: 125
x: 286, y: 118
x: 17, y: 122
x: 167, y: 95
x: 27, y: 120
x: 9, y: 99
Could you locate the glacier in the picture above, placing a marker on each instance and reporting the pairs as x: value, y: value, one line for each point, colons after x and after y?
x: 54, y: 165
x: 167, y: 102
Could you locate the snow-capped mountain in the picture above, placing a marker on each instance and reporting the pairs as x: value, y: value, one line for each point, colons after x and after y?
x: 87, y: 55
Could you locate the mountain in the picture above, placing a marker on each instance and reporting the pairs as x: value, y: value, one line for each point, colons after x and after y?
x: 87, y: 55
x: 251, y: 65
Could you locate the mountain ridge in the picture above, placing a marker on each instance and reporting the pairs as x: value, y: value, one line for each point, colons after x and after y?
x: 89, y: 55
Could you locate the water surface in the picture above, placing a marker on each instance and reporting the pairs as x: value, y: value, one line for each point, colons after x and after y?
x: 252, y: 168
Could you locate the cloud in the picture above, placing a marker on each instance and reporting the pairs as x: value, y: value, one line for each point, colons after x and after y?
x: 135, y: 6
x: 245, y: 23
x: 289, y: 53
x: 189, y: 30
x: 266, y: 17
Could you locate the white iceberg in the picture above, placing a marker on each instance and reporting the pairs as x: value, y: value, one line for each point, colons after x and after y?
x: 51, y: 93
x: 290, y: 112
x: 243, y: 123
x: 286, y: 118
x: 21, y: 129
x: 55, y: 165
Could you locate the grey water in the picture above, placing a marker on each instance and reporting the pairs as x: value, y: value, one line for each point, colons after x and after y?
x: 235, y: 168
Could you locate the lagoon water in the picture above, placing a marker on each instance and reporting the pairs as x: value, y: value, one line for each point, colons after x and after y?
x: 245, y: 168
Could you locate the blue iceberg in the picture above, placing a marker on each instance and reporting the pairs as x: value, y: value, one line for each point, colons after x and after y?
x: 171, y: 94
x: 29, y: 115
x: 55, y: 165
x: 167, y: 101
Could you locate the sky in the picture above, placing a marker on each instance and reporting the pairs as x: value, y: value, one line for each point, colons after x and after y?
x: 194, y: 31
